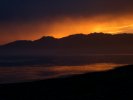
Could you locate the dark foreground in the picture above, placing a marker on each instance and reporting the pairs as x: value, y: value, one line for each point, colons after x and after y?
x: 111, y: 85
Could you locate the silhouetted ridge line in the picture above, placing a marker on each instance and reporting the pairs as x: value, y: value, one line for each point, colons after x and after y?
x: 78, y: 36
x: 75, y: 44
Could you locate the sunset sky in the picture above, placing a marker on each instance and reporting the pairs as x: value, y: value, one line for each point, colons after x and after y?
x: 31, y: 19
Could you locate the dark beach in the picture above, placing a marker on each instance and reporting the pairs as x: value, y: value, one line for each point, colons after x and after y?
x: 106, y: 85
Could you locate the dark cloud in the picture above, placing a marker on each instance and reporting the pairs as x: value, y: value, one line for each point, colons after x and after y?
x: 28, y: 10
x: 31, y: 19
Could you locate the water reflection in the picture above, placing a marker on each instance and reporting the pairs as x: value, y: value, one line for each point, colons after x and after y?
x: 18, y: 74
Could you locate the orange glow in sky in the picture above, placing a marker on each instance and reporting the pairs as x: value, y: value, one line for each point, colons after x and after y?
x: 65, y: 26
x: 98, y: 24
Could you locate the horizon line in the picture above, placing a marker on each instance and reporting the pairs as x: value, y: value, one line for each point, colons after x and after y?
x: 107, y: 33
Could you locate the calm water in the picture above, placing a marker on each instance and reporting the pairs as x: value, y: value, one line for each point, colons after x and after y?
x: 19, y: 74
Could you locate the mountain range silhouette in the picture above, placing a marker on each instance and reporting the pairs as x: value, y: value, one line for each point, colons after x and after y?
x: 97, y: 43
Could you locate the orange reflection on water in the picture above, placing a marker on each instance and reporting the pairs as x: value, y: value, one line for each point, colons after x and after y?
x: 19, y: 74
x: 85, y: 68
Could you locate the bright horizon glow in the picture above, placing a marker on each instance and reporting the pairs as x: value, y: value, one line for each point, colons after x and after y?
x: 105, y: 24
x: 65, y: 26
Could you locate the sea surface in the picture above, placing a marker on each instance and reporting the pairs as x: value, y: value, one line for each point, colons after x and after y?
x: 29, y: 73
x: 24, y: 69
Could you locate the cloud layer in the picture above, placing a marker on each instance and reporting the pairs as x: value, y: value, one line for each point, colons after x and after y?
x: 30, y: 19
x: 30, y: 10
